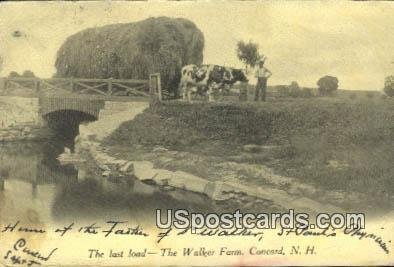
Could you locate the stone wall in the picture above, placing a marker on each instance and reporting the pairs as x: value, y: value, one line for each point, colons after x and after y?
x: 19, y: 119
x: 17, y: 111
x: 24, y: 133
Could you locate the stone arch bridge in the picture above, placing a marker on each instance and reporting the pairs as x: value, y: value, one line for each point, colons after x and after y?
x: 35, y: 99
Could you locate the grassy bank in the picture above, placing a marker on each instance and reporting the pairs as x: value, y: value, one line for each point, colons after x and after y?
x: 331, y: 143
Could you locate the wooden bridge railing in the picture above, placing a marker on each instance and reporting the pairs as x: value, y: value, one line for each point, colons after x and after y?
x: 105, y: 87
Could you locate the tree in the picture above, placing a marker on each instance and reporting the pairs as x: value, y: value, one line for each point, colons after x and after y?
x: 25, y: 74
x: 327, y: 85
x: 248, y: 53
x: 28, y: 74
x: 294, y: 89
x: 13, y: 74
x: 294, y: 86
x: 389, y: 85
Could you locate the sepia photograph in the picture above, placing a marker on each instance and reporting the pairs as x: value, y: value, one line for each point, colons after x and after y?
x: 196, y: 133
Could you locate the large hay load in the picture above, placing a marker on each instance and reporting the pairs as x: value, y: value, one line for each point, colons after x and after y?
x: 132, y: 51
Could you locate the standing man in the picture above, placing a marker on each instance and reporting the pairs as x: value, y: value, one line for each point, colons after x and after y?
x: 262, y: 74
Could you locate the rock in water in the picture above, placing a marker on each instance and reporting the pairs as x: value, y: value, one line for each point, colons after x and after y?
x: 106, y: 173
x: 127, y: 168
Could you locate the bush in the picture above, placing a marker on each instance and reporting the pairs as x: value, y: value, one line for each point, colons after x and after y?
x: 370, y: 95
x: 25, y: 74
x: 353, y: 96
x: 28, y: 74
x: 14, y: 74
x: 389, y: 85
x: 283, y: 90
x: 307, y: 92
x: 327, y: 85
x: 294, y: 90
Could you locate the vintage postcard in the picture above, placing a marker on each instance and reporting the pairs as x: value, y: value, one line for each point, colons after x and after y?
x: 203, y: 133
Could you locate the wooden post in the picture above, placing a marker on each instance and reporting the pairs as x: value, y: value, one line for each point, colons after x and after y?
x: 152, y: 84
x: 159, y: 87
x: 243, y: 92
x: 155, y: 86
x: 37, y: 85
x: 109, y: 86
x: 5, y: 84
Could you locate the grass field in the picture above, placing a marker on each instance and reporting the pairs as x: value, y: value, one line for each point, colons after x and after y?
x: 341, y: 145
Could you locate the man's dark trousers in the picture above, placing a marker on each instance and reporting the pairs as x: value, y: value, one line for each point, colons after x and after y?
x: 261, y: 86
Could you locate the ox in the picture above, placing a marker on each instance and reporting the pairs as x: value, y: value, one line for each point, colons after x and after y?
x: 207, y: 78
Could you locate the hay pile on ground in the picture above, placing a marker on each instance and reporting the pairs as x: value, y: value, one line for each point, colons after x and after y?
x: 132, y: 50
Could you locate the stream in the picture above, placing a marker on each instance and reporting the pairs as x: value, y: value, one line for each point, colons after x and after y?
x: 35, y: 187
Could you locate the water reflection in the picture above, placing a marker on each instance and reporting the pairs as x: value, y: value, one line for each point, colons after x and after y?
x: 33, y: 181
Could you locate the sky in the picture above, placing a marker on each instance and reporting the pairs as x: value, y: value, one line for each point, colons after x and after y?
x: 302, y: 41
